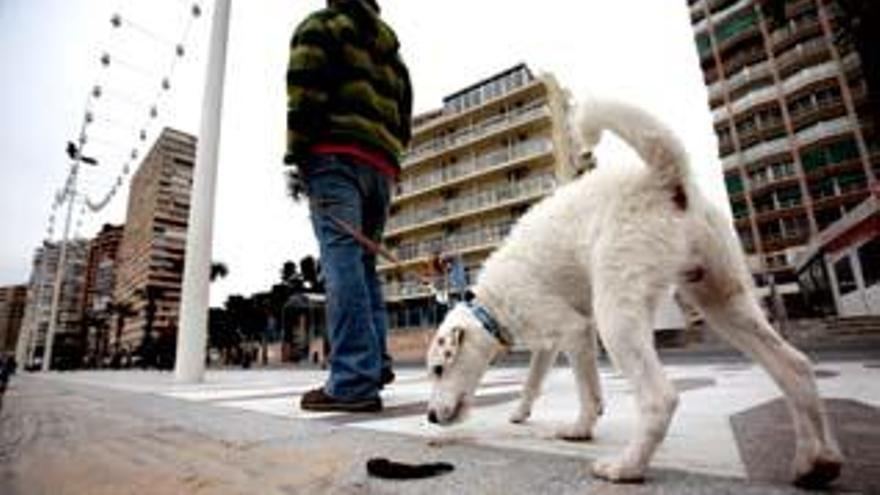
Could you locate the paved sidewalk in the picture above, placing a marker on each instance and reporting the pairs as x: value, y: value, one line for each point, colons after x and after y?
x: 242, y: 432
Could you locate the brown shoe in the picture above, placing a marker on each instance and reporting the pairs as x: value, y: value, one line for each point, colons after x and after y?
x: 318, y: 400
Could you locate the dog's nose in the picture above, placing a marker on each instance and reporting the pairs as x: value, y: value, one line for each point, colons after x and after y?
x: 432, y: 417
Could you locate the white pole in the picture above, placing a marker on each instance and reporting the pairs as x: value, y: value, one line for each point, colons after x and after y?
x: 59, y: 270
x: 192, y: 339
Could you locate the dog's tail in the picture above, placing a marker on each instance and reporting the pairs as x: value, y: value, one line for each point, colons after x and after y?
x: 655, y: 143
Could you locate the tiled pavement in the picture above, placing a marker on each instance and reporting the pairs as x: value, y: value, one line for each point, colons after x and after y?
x: 730, y: 421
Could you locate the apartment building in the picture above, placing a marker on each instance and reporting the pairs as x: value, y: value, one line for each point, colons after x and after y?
x: 789, y: 110
x: 149, y: 271
x: 12, y: 303
x: 38, y: 309
x: 474, y: 166
x: 101, y: 270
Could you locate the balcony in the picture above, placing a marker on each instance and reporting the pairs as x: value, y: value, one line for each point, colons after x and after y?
x: 748, y: 75
x: 499, y: 123
x: 809, y: 75
x: 412, y: 289
x: 793, y: 32
x: 804, y: 54
x: 766, y: 130
x: 729, y: 162
x: 754, y: 98
x: 739, y: 25
x: 722, y: 9
x: 472, y: 168
x: 825, y: 129
x: 767, y: 213
x: 778, y: 241
x: 827, y: 110
x: 766, y: 149
x: 761, y: 185
x: 849, y: 195
x: 505, y: 195
x: 467, y: 241
x: 719, y: 114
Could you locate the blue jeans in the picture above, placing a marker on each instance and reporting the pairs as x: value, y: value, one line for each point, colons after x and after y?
x: 356, y: 319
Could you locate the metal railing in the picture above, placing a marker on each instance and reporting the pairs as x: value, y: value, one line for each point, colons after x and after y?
x: 801, y: 50
x: 499, y: 194
x: 415, y: 288
x: 824, y: 129
x: 765, y: 149
x: 807, y: 75
x: 469, y: 134
x: 753, y: 98
x: 459, y: 241
x: 792, y: 28
x: 425, y: 181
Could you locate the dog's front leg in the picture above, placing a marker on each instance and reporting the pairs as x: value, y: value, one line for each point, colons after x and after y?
x: 582, y: 357
x: 541, y: 361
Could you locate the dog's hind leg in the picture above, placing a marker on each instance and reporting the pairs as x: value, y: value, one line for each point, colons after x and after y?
x: 582, y: 356
x: 740, y: 320
x: 623, y: 309
x: 541, y: 361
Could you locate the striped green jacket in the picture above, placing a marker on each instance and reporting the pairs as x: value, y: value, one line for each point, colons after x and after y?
x: 346, y: 84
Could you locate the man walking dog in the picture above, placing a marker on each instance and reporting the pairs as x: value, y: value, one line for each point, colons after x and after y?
x: 348, y: 122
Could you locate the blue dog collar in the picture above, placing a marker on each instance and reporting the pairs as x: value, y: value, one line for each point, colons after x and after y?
x: 489, y: 322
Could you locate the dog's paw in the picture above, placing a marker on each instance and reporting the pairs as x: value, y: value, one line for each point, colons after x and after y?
x: 577, y: 432
x: 520, y: 415
x: 617, y: 471
x: 820, y: 472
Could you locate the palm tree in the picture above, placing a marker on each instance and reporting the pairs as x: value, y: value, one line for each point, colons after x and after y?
x: 310, y: 268
x: 151, y: 294
x: 122, y: 310
x: 219, y: 270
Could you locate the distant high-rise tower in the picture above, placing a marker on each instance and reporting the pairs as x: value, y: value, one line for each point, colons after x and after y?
x: 790, y: 112
x: 151, y: 256
x: 100, y: 282
x: 67, y: 343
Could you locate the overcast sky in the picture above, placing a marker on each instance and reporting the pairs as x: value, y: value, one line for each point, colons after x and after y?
x: 640, y: 51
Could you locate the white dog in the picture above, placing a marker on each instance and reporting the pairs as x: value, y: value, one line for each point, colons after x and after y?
x: 597, y: 255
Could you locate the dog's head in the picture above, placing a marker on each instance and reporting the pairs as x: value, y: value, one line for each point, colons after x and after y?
x: 458, y: 357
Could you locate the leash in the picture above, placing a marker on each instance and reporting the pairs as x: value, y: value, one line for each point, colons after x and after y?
x: 371, y: 245
x: 489, y: 323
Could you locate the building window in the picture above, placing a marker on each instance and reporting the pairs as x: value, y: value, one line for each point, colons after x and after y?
x: 846, y: 281
x: 869, y: 257
x: 737, y: 24
x: 788, y: 197
x: 734, y: 184
x: 832, y: 154
x: 704, y: 45
x: 851, y: 181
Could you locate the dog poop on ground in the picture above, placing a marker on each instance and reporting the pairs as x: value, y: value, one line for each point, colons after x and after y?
x: 383, y: 468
